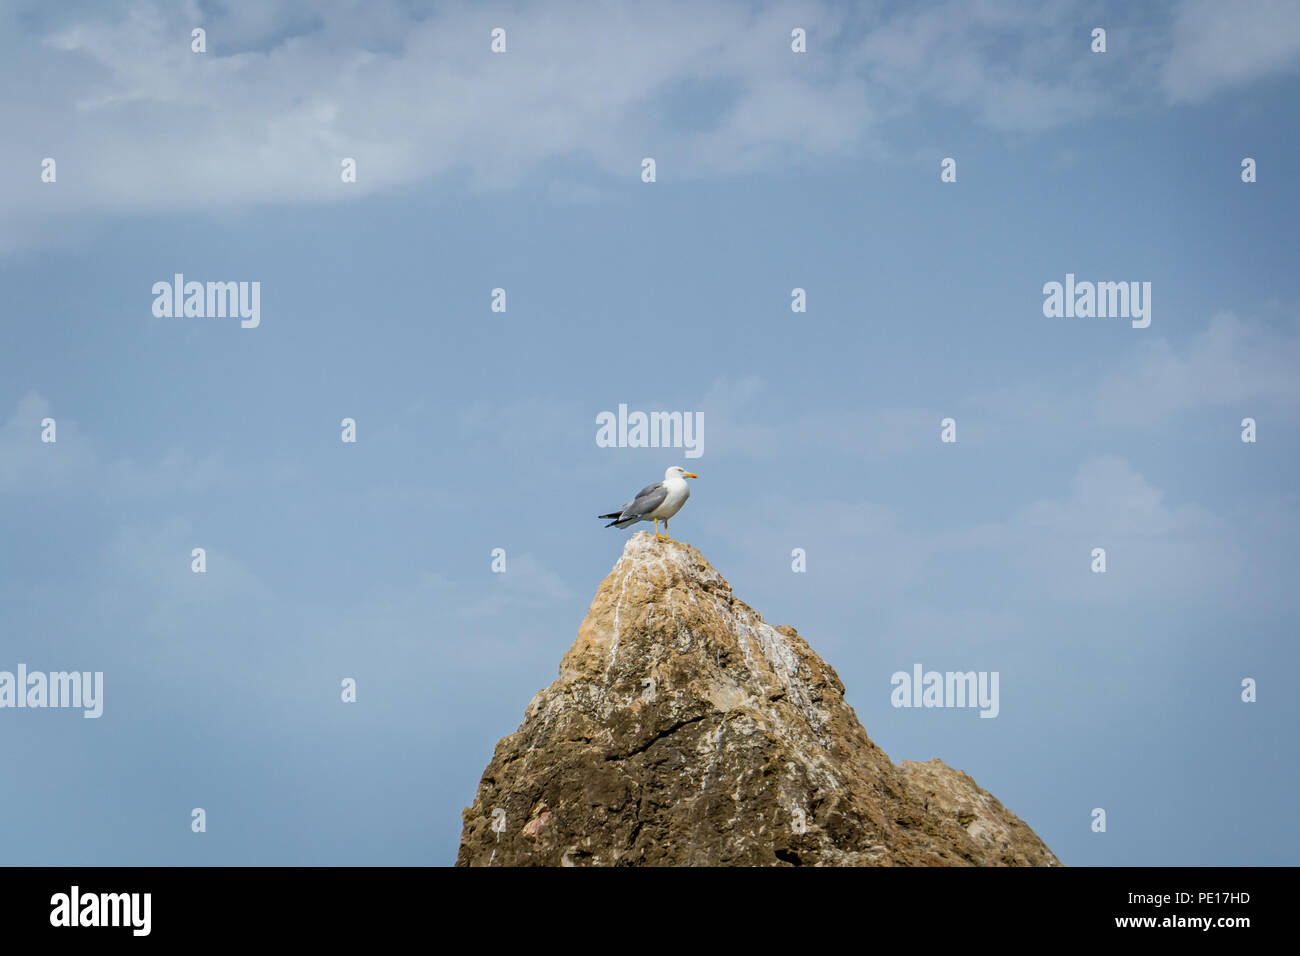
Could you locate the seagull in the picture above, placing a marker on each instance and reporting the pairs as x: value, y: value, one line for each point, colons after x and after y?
x: 654, y: 502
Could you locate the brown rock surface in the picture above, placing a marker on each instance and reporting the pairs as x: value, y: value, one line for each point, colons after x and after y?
x: 684, y: 730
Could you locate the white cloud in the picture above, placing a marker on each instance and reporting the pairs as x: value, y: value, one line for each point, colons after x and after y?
x: 524, y: 422
x: 76, y: 463
x: 140, y: 124
x: 1015, y: 66
x: 861, y: 551
x: 156, y: 560
x: 748, y: 416
x: 1153, y: 549
x: 29, y: 464
x: 1247, y: 368
x: 1219, y: 46
x: 527, y: 584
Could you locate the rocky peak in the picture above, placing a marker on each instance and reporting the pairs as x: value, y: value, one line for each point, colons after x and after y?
x: 684, y: 729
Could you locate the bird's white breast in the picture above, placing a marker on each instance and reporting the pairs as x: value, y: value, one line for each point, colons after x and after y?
x: 678, y: 492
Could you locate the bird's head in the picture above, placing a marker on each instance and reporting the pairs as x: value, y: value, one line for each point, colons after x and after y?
x: 677, y: 471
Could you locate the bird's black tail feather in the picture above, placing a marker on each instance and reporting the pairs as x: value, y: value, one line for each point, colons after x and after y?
x: 612, y: 514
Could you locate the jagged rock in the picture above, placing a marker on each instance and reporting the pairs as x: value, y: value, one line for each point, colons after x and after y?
x: 1003, y: 838
x: 684, y: 730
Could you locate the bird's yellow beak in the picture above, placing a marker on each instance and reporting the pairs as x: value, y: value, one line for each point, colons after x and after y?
x: 690, y: 475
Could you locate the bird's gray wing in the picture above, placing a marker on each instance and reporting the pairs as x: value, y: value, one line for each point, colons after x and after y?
x: 647, y: 500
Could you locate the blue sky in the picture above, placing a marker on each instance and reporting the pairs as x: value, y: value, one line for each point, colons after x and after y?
x: 476, y: 429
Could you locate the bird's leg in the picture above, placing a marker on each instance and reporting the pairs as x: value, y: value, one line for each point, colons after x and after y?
x: 657, y: 534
